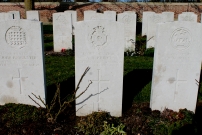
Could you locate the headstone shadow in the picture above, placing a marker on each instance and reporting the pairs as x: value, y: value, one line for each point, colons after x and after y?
x: 66, y: 88
x: 133, y: 83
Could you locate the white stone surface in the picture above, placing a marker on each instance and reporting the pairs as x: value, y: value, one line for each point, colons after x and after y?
x: 151, y: 29
x: 129, y: 20
x: 177, y: 66
x: 153, y: 20
x: 6, y: 16
x: 145, y: 16
x: 168, y: 16
x: 21, y: 62
x: 188, y: 13
x: 62, y: 31
x: 16, y: 14
x: 73, y: 18
x: 32, y: 15
x: 100, y: 46
x: 88, y: 14
x: 187, y: 16
x: 110, y: 15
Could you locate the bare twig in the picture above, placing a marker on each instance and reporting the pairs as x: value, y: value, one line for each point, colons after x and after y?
x: 34, y: 101
x: 53, y: 117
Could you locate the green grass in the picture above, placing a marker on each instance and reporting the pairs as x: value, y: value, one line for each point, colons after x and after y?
x: 58, y: 68
x: 48, y: 29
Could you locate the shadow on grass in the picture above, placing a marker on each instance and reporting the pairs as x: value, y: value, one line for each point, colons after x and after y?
x: 66, y: 88
x: 133, y: 83
x: 196, y: 127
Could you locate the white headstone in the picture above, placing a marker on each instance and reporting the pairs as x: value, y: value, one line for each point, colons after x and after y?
x: 88, y: 14
x: 32, y: 15
x: 110, y: 15
x: 177, y: 66
x: 129, y: 20
x: 189, y: 16
x: 62, y: 31
x: 6, y: 16
x: 168, y: 16
x: 16, y: 14
x: 21, y: 62
x: 100, y: 46
x: 145, y: 21
x: 152, y: 24
x: 73, y: 18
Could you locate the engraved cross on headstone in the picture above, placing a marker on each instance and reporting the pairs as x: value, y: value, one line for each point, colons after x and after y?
x: 99, y: 81
x: 176, y: 80
x: 20, y: 78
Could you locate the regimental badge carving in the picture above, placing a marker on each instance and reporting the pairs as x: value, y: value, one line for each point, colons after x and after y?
x: 181, y: 38
x: 15, y: 37
x: 126, y: 19
x: 157, y: 18
x: 98, y: 37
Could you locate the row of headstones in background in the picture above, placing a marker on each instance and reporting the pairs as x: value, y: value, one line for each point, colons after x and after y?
x: 30, y: 15
x: 177, y: 66
x: 63, y: 29
x: 128, y: 18
x: 176, y: 71
x: 4, y: 16
x: 21, y: 61
x: 150, y: 20
x: 93, y: 15
x: 149, y: 24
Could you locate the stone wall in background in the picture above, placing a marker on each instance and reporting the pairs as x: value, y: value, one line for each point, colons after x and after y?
x: 46, y: 9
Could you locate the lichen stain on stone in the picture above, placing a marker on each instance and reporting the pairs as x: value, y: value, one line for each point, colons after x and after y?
x: 8, y: 99
x: 160, y: 68
x: 171, y: 80
x: 9, y: 84
x: 156, y: 79
x: 23, y: 79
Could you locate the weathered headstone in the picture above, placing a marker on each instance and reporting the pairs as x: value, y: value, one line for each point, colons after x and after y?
x: 177, y: 66
x: 153, y: 20
x: 145, y: 21
x: 6, y: 16
x: 73, y: 18
x: 32, y: 15
x: 110, y: 15
x: 129, y: 20
x: 62, y: 31
x: 16, y: 14
x: 100, y: 46
x: 88, y: 14
x: 187, y: 16
x: 21, y: 62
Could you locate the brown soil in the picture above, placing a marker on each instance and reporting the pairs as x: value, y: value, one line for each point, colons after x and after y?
x: 66, y: 123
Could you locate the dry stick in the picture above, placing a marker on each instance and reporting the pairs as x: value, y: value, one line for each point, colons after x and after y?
x: 34, y: 101
x: 150, y: 38
x: 62, y: 108
x: 77, y: 87
x: 58, y: 94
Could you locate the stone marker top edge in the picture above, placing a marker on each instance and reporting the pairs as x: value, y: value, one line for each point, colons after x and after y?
x: 161, y: 23
x: 98, y: 21
x: 21, y: 20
